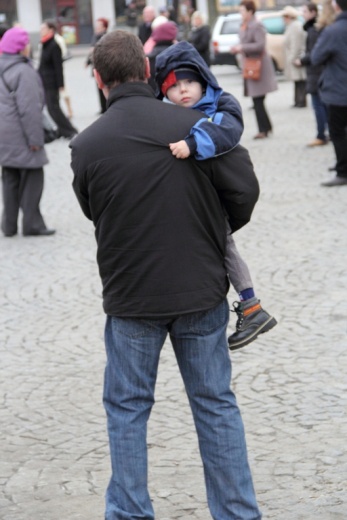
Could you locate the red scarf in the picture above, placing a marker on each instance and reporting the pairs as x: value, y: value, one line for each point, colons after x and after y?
x: 46, y: 38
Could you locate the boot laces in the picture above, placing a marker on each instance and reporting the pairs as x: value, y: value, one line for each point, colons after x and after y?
x: 238, y: 308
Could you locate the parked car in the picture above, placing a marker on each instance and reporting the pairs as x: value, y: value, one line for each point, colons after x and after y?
x: 225, y: 35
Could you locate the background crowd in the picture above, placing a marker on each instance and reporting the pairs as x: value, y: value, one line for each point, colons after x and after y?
x: 315, y: 52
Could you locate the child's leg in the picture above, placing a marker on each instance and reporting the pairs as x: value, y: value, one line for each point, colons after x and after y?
x: 237, y: 269
x: 252, y: 318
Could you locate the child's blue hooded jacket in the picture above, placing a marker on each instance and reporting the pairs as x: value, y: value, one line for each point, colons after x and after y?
x: 220, y: 131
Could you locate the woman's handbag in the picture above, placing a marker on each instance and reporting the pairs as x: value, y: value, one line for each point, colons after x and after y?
x: 251, y: 68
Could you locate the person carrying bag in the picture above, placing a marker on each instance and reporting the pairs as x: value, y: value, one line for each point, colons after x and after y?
x: 22, y: 153
x: 50, y: 129
x: 258, y: 70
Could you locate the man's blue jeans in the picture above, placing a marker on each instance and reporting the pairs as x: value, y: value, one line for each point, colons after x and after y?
x: 133, y: 349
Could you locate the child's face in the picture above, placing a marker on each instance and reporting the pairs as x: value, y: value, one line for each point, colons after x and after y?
x: 185, y: 92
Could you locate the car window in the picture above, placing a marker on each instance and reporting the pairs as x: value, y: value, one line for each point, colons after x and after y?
x: 274, y: 25
x: 230, y: 27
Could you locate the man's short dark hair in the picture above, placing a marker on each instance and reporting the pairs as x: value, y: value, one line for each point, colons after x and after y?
x: 342, y: 4
x: 119, y: 57
x: 51, y: 24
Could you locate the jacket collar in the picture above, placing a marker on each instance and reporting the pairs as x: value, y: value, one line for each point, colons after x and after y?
x: 208, y: 104
x: 130, y: 89
x: 309, y: 23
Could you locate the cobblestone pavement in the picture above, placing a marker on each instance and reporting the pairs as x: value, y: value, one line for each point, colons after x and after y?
x: 291, y: 383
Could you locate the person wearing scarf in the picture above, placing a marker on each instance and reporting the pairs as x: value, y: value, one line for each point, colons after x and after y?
x: 51, y: 72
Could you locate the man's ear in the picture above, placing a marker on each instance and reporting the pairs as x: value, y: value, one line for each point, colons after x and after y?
x: 101, y: 84
x: 98, y: 79
x: 147, y: 69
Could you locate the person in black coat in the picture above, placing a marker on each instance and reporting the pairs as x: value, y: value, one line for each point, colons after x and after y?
x: 160, y: 231
x: 310, y: 12
x: 51, y: 72
x: 200, y: 36
x: 145, y: 28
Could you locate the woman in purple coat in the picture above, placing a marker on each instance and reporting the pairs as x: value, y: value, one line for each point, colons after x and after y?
x: 22, y: 152
x: 253, y: 44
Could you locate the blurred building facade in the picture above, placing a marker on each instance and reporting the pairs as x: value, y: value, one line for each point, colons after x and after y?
x: 75, y: 18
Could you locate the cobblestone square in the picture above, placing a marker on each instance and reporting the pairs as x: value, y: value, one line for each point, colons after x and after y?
x: 291, y: 383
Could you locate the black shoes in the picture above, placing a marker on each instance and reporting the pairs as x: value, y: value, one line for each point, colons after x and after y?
x: 251, y: 322
x: 41, y: 233
x: 335, y: 181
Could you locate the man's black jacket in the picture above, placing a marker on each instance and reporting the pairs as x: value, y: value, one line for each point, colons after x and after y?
x: 159, y: 221
x: 51, y: 65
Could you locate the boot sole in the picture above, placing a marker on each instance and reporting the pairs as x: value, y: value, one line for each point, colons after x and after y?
x: 265, y: 327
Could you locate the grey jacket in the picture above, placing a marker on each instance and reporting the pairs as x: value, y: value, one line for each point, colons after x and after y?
x: 253, y: 42
x: 20, y: 114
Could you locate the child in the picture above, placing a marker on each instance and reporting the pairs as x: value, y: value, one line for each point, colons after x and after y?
x: 184, y: 79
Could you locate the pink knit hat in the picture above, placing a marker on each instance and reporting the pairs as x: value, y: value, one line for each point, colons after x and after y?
x: 165, y: 32
x: 14, y: 40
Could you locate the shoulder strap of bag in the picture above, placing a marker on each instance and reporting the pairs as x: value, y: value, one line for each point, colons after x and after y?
x: 3, y: 77
x: 11, y: 92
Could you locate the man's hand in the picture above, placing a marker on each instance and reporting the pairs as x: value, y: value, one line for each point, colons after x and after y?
x: 180, y: 150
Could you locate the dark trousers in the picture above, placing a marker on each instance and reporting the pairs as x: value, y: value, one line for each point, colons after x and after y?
x: 300, y: 93
x: 337, y: 121
x: 263, y: 120
x: 22, y: 189
x: 65, y: 128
